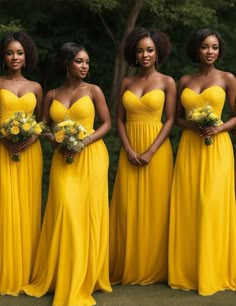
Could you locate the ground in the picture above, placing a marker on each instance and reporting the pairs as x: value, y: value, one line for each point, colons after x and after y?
x: 128, y: 295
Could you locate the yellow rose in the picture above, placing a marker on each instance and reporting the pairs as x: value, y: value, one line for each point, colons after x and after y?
x: 16, y: 122
x: 37, y: 129
x: 81, y: 134
x: 3, y: 132
x: 203, y: 114
x: 59, y: 136
x: 22, y: 115
x: 26, y: 126
x: 212, y: 116
x: 15, y: 130
x: 196, y: 115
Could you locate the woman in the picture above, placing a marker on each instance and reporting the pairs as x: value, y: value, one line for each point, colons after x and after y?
x: 139, y: 211
x: 72, y: 257
x: 20, y: 182
x: 202, y: 244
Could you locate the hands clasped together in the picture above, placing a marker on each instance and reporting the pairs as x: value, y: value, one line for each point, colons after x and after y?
x: 139, y: 159
x: 204, y: 131
x: 17, y: 148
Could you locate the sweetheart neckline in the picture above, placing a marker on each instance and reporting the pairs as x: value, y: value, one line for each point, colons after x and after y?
x: 204, y: 89
x: 143, y: 94
x: 68, y: 108
x: 30, y: 92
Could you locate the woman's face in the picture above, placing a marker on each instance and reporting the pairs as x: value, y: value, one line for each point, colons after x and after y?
x: 146, y: 54
x: 14, y: 56
x: 209, y: 50
x: 79, y: 67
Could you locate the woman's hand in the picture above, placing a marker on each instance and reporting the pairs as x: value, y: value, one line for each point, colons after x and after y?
x: 133, y: 158
x: 146, y: 157
x: 195, y: 128
x: 211, y: 130
x: 17, y: 148
x: 25, y: 144
x: 65, y: 152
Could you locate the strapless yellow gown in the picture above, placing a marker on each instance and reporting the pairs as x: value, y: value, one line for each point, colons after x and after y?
x: 72, y: 257
x: 202, y: 242
x: 20, y: 202
x: 139, y: 212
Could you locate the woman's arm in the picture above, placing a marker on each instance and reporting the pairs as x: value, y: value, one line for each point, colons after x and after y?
x: 180, y: 119
x: 39, y: 96
x: 99, y: 101
x: 132, y: 156
x: 231, y: 97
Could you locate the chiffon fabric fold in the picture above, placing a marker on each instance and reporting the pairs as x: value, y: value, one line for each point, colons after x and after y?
x: 202, y: 241
x: 139, y: 211
x: 72, y: 257
x: 20, y: 202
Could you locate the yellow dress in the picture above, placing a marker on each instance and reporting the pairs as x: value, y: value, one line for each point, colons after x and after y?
x: 72, y: 257
x: 139, y: 211
x: 20, y: 202
x: 202, y: 241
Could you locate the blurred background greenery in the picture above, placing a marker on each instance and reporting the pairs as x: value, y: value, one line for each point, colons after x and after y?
x: 101, y: 25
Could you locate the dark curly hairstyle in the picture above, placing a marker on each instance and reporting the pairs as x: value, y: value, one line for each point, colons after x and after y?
x: 31, y: 54
x: 160, y: 39
x: 197, y: 38
x: 65, y: 56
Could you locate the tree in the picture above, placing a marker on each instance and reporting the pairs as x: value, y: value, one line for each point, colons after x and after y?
x: 103, y: 24
x: 164, y: 14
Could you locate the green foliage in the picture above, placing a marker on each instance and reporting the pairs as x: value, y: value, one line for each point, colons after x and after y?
x: 12, y: 26
x: 112, y: 142
x: 189, y: 13
x: 98, y: 6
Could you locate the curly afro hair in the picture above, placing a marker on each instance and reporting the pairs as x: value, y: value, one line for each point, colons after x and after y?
x: 197, y: 38
x: 31, y: 54
x: 160, y: 39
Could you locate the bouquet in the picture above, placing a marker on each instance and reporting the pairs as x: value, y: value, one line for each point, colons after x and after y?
x: 204, y: 116
x: 20, y: 127
x: 70, y: 134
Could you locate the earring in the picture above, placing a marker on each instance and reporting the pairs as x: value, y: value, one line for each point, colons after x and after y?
x: 156, y: 61
x: 136, y: 62
x: 3, y: 65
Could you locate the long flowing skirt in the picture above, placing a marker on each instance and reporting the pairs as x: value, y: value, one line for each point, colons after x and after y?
x: 202, y: 242
x: 72, y: 258
x: 20, y: 216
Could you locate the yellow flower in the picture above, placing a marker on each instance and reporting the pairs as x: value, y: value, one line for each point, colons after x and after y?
x: 16, y: 122
x: 15, y: 130
x: 59, y: 136
x: 66, y: 123
x: 82, y: 134
x: 196, y: 115
x: 203, y: 114
x: 26, y: 126
x: 37, y: 129
x: 212, y: 116
x: 3, y: 132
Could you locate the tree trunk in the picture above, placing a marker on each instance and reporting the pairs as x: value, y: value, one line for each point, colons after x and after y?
x: 121, y: 67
